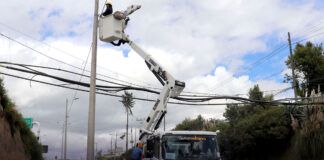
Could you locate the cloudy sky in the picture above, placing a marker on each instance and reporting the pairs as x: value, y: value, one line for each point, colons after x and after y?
x: 216, y: 47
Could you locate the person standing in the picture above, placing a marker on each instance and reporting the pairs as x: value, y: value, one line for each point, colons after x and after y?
x: 137, y: 152
x: 109, y: 8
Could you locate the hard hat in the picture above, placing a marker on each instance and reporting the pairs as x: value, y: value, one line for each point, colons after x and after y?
x: 108, y: 2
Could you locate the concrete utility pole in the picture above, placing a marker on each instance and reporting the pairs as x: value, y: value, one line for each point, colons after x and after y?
x: 65, y: 128
x: 164, y: 123
x: 135, y: 140
x: 62, y: 145
x: 131, y: 141
x: 115, y: 147
x: 92, y: 94
x: 292, y: 68
x: 127, y: 131
x: 111, y: 148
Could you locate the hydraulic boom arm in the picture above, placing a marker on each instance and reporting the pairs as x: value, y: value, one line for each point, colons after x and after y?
x: 111, y: 29
x: 171, y: 88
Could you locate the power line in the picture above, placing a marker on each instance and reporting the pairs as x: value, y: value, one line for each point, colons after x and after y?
x: 187, y: 101
x: 87, y: 76
x: 267, y: 57
x: 273, y: 75
x: 41, y: 53
x: 119, y: 88
x: 103, y: 93
x: 46, y: 44
x: 83, y: 69
x: 128, y: 82
x: 313, y: 28
x: 62, y: 70
x: 60, y: 61
x: 253, y: 65
x: 308, y: 37
x: 71, y: 55
x: 75, y: 93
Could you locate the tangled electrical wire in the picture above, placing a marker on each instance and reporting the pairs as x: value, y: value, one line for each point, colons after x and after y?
x: 114, y: 87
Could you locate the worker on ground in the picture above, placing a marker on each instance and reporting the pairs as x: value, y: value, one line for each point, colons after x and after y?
x: 137, y: 152
x: 109, y: 8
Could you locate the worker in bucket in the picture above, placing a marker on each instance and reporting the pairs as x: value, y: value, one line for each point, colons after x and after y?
x: 109, y: 8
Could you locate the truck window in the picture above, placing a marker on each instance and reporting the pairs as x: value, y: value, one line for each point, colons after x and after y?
x: 178, y: 147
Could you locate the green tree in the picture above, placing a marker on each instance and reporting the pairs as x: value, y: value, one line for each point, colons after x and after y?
x: 254, y: 129
x: 261, y: 135
x: 308, y: 120
x: 308, y: 61
x: 255, y: 93
x: 233, y: 113
x: 191, y: 124
x: 128, y: 102
x: 199, y: 124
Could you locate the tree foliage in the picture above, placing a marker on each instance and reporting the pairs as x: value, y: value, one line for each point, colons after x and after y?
x: 308, y: 61
x: 308, y: 120
x: 191, y: 124
x: 309, y: 132
x: 255, y: 93
x: 264, y: 131
x: 260, y: 135
x: 201, y: 124
x: 128, y: 101
x: 255, y: 130
x: 235, y: 113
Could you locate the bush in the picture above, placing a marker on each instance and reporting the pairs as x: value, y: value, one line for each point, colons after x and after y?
x: 309, y: 137
x: 262, y: 135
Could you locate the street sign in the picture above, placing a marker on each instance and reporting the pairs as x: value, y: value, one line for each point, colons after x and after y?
x: 29, y: 122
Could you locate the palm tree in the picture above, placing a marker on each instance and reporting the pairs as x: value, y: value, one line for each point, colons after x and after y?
x: 128, y: 102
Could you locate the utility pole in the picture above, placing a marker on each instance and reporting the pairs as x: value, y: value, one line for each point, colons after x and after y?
x: 115, y: 147
x: 62, y: 145
x: 111, y: 148
x: 92, y: 94
x: 96, y: 151
x: 292, y: 68
x: 164, y: 122
x: 135, y: 138
x: 131, y: 141
x: 127, y: 131
x: 65, y: 128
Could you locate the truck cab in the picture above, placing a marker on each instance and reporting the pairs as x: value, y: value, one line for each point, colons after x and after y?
x: 182, y: 145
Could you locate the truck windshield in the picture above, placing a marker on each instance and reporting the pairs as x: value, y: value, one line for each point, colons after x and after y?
x: 187, y: 147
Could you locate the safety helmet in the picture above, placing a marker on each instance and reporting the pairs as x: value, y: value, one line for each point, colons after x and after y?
x: 108, y: 2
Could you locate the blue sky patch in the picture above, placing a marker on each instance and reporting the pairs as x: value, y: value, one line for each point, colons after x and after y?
x: 319, y: 4
x: 126, y: 52
x: 72, y: 34
x: 265, y: 64
x: 46, y: 31
x: 55, y: 13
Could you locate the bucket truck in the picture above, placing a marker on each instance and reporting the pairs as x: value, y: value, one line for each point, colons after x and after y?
x: 161, y: 145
